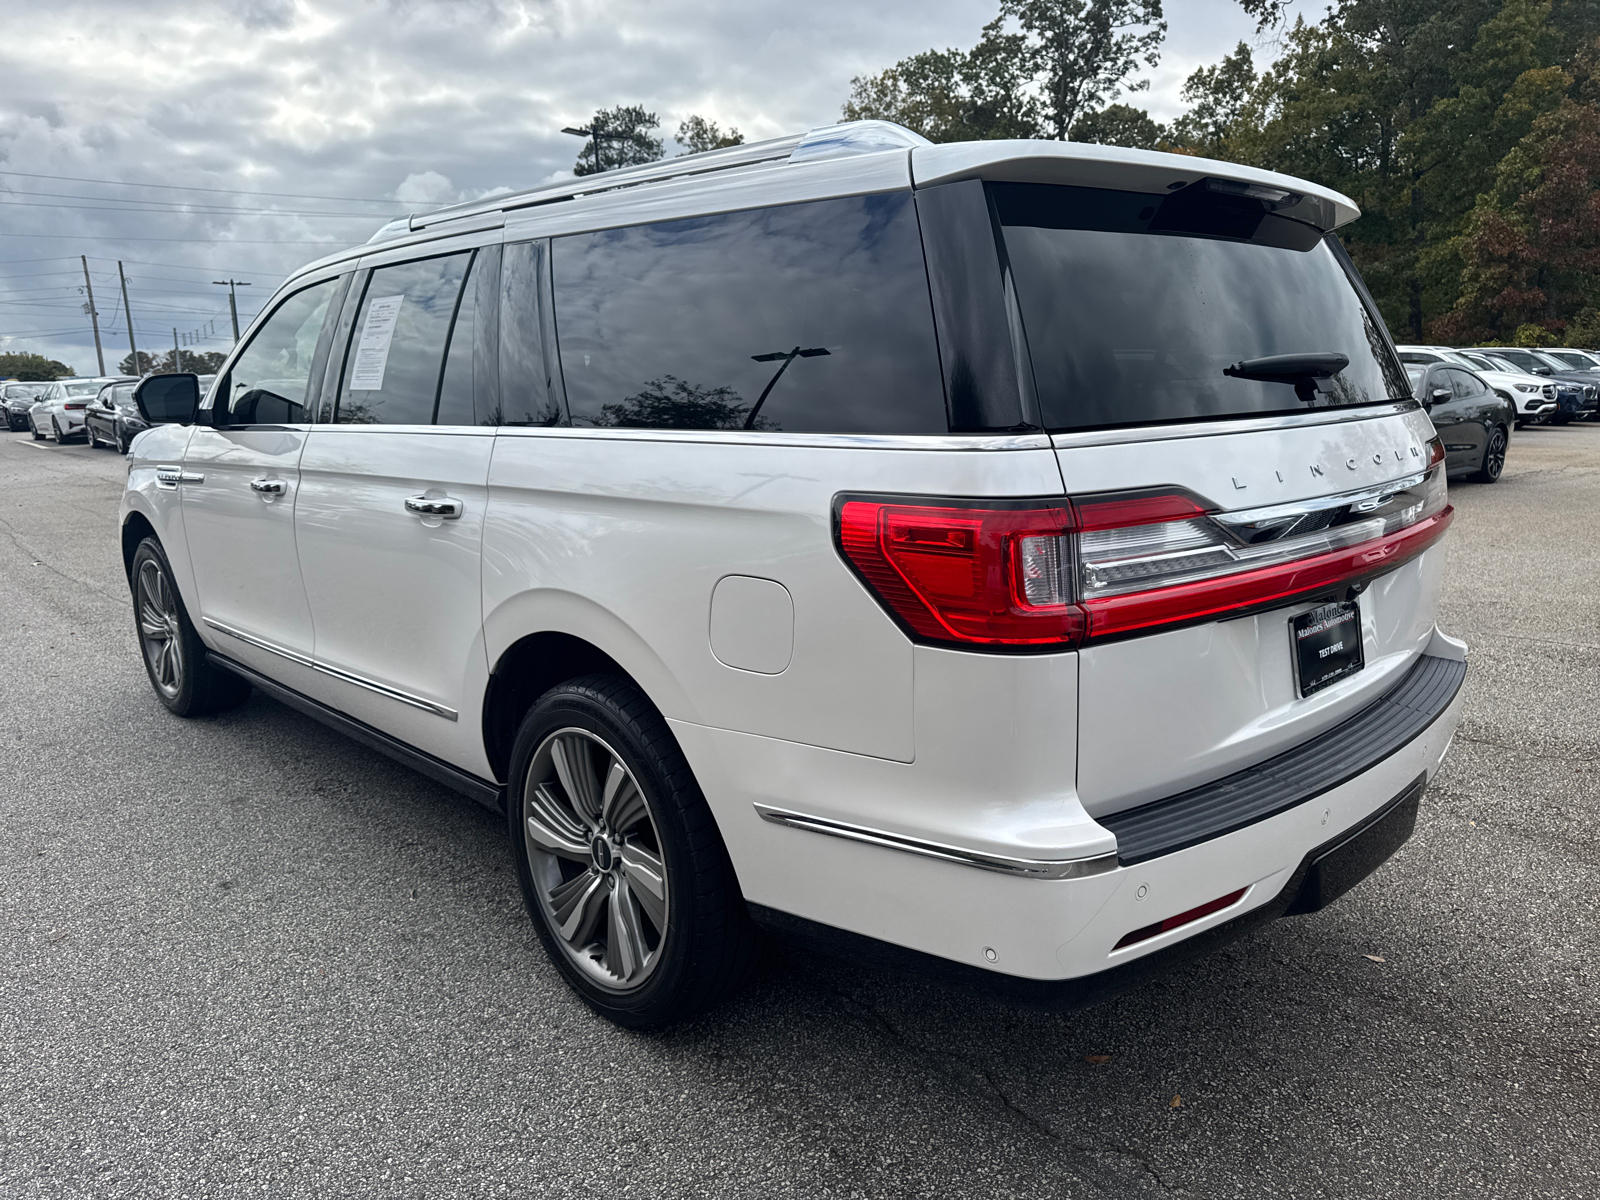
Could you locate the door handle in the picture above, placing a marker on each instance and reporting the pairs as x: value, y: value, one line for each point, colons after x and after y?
x: 172, y: 476
x: 269, y: 487
x: 447, y: 507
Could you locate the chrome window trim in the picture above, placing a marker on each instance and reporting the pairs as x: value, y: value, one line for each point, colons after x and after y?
x: 305, y: 660
x: 1222, y: 427
x: 833, y: 441
x: 1029, y: 868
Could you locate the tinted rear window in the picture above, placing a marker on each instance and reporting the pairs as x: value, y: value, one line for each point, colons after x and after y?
x: 1133, y: 305
x: 807, y: 318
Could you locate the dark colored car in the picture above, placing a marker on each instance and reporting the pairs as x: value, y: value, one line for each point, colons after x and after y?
x: 1578, y: 391
x: 18, y: 398
x: 112, y: 418
x: 1473, y: 421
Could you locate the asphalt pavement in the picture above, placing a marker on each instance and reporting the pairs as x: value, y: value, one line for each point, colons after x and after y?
x: 243, y: 956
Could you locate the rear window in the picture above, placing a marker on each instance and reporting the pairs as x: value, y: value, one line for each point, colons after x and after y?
x: 810, y: 318
x: 87, y: 388
x: 1135, y: 303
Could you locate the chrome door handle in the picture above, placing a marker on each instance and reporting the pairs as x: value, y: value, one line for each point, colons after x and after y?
x: 269, y: 487
x: 172, y: 476
x: 427, y: 506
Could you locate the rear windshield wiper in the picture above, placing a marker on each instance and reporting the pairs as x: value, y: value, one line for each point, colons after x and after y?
x: 1308, y: 372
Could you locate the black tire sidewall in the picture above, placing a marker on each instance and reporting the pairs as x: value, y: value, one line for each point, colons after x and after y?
x: 205, y: 688
x: 591, y: 703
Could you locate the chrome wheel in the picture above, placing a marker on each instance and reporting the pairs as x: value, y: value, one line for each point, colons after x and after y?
x: 158, y: 629
x: 595, y: 858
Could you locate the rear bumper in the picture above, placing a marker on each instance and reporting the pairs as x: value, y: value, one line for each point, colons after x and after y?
x: 1290, y: 834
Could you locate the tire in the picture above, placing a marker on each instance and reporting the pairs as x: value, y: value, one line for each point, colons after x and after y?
x: 174, y: 657
x: 1561, y: 419
x: 89, y: 438
x: 55, y: 432
x: 1494, y: 457
x: 33, y: 428
x: 652, y: 927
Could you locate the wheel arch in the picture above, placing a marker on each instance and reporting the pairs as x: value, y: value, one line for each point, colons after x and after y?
x: 135, y: 529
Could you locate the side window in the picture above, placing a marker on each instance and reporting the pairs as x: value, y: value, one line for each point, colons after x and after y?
x: 268, y: 382
x: 529, y: 381
x: 467, y: 390
x: 811, y: 318
x: 395, y: 363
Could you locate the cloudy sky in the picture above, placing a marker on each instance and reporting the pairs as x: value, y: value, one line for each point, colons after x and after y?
x: 278, y: 130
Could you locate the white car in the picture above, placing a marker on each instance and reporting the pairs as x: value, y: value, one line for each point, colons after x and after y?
x: 1017, y: 559
x: 1533, y: 396
x: 58, y: 411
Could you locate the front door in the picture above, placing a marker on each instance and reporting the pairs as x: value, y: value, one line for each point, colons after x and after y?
x: 240, y: 477
x: 389, y: 517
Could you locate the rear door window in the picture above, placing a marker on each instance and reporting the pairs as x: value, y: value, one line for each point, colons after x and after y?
x: 1135, y: 304
x: 394, y: 367
x: 811, y: 318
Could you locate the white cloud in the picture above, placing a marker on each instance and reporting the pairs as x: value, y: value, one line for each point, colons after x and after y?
x: 342, y: 98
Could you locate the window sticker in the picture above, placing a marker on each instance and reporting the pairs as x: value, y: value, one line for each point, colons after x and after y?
x: 372, y: 352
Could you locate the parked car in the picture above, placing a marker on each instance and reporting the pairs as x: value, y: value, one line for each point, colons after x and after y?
x: 59, y: 409
x: 104, y: 418
x: 1473, y: 421
x: 1578, y: 360
x: 1015, y: 558
x: 1582, y: 396
x: 1531, y: 397
x: 18, y: 398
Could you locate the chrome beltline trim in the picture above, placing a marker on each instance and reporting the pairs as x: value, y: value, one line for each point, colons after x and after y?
x: 304, y: 660
x: 1221, y: 428
x: 837, y: 441
x: 1029, y: 868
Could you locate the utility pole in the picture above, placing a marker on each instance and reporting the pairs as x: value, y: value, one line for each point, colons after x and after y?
x: 133, y: 351
x: 233, y: 304
x: 94, y: 317
x: 596, y: 136
x: 177, y: 355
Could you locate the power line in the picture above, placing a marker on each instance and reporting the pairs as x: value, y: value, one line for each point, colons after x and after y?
x: 165, y: 204
x: 187, y: 210
x: 173, y: 187
x: 219, y: 241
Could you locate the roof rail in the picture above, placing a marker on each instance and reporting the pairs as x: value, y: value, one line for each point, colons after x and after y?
x: 830, y: 141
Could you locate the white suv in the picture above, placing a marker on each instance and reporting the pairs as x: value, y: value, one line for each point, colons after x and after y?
x: 1016, y: 558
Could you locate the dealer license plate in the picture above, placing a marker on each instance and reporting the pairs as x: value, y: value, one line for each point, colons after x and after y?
x: 1327, y: 645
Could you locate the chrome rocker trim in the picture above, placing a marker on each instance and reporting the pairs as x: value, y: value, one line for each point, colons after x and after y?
x: 438, y: 710
x: 1029, y: 868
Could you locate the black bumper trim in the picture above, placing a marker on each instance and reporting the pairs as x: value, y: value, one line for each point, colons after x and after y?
x: 1325, y: 874
x: 1348, y: 749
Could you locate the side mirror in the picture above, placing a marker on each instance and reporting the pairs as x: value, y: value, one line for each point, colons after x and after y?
x: 168, y: 399
x: 1543, y: 371
x: 1437, y: 396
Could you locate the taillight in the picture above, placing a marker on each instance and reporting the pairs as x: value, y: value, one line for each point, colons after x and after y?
x: 975, y: 574
x: 69, y: 404
x: 1049, y: 575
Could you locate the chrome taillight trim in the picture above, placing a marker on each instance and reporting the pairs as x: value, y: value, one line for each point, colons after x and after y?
x: 1030, y: 868
x: 1360, y: 500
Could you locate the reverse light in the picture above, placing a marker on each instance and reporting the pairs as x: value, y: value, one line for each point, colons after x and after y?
x: 1048, y: 575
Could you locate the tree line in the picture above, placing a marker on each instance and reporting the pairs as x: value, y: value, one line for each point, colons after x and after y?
x: 1467, y: 130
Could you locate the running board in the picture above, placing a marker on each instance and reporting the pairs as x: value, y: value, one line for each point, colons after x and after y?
x: 490, y: 795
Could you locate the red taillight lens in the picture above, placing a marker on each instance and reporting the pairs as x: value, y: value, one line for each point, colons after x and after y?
x: 1046, y: 575
x: 69, y: 404
x: 978, y: 575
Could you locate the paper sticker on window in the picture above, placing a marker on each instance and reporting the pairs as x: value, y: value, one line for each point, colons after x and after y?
x: 372, y: 352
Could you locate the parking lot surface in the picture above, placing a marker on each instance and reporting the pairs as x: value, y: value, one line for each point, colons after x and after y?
x: 244, y: 956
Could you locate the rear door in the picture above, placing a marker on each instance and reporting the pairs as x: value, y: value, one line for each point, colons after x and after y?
x: 1454, y: 416
x: 239, y: 481
x: 392, y: 498
x: 1233, y: 424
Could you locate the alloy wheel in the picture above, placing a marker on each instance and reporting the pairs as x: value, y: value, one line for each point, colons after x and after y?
x: 595, y: 858
x: 1494, y: 455
x: 159, y: 635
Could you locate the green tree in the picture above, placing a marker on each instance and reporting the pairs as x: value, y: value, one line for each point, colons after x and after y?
x: 32, y: 367
x: 624, y: 137
x: 1039, y: 69
x: 672, y: 403
x: 1121, y: 125
x: 1217, y: 97
x: 1084, y: 50
x: 697, y: 135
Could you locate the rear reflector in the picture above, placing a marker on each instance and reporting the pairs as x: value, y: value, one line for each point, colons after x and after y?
x: 1183, y: 918
x: 1051, y: 574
